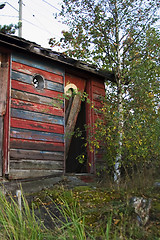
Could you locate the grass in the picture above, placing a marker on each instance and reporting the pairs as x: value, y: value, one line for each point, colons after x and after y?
x: 97, y: 212
x: 16, y: 224
x: 104, y: 211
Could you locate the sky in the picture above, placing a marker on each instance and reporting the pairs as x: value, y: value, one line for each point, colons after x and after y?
x: 38, y: 24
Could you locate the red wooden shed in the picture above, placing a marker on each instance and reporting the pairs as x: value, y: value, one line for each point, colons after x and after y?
x: 33, y: 121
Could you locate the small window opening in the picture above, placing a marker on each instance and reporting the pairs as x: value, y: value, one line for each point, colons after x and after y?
x: 38, y: 82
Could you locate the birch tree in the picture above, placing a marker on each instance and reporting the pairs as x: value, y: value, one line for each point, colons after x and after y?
x: 105, y: 33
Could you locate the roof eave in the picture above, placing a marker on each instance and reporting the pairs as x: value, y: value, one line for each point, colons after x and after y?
x: 25, y: 45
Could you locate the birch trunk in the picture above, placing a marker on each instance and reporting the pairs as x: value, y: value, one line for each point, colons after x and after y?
x: 118, y: 160
x: 120, y: 100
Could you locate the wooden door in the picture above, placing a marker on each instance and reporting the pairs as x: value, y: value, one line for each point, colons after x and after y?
x: 74, y: 87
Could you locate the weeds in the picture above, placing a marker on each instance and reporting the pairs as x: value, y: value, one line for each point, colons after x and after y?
x: 83, y: 213
x: 16, y: 224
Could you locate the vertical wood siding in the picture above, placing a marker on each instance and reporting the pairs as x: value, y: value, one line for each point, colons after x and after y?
x: 96, y: 90
x: 37, y: 119
x: 6, y: 124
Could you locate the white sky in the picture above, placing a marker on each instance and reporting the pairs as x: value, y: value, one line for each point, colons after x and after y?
x: 38, y: 24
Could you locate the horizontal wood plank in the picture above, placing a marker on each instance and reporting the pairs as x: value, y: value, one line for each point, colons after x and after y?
x: 99, y: 91
x: 36, y: 145
x: 97, y: 117
x: 35, y: 98
x: 38, y: 63
x: 24, y: 174
x: 36, y: 107
x: 97, y: 97
x: 54, y: 86
x: 31, y: 89
x: 36, y: 155
x: 32, y: 71
x: 34, y: 164
x: 98, y: 104
x: 36, y: 135
x: 25, y: 78
x: 33, y: 125
x: 39, y: 117
x: 98, y: 83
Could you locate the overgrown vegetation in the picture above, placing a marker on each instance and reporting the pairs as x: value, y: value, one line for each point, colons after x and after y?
x: 9, y: 29
x: 16, y: 224
x: 99, y: 211
x: 120, y: 36
x: 102, y: 211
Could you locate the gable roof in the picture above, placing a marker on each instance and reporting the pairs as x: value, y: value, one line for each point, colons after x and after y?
x: 22, y: 44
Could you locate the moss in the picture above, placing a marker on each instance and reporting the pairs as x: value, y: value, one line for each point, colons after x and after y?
x: 156, y: 206
x: 82, y: 188
x: 98, y: 205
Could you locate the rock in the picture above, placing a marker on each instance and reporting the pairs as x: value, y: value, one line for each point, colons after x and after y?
x: 142, y: 207
x: 157, y: 184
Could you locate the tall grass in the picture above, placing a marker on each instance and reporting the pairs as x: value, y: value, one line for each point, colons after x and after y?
x: 16, y: 224
x: 70, y: 223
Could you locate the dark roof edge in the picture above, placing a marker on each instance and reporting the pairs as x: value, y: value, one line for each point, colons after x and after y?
x: 25, y: 45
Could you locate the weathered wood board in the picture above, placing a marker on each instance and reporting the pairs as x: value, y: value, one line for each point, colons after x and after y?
x: 1, y: 144
x: 36, y: 145
x: 39, y: 165
x: 4, y: 78
x: 98, y: 94
x: 37, y: 119
x: 80, y: 84
x: 96, y: 90
x: 4, y: 70
x: 19, y: 154
x: 34, y: 173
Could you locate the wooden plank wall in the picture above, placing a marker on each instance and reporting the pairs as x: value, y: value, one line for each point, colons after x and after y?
x: 98, y: 92
x: 95, y: 89
x: 37, y: 125
x: 4, y: 110
x: 1, y: 144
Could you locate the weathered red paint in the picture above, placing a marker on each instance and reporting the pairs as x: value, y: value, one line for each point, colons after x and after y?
x: 36, y: 145
x: 37, y: 126
x: 35, y: 98
x: 89, y: 122
x: 99, y: 91
x: 79, y: 82
x: 31, y: 89
x: 37, y: 63
x: 36, y: 107
x: 6, y: 139
x: 32, y: 71
x: 33, y: 125
x: 98, y: 83
x: 95, y: 89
